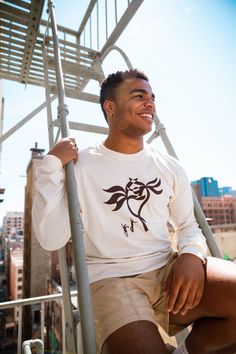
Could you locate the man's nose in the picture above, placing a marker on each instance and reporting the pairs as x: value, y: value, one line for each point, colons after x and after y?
x: 149, y: 103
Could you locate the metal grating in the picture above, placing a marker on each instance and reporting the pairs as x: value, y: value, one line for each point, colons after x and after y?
x: 24, y: 36
x: 79, y: 64
x: 22, y: 39
x: 19, y: 25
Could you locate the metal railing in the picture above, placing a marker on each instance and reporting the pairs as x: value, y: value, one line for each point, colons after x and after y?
x: 104, y: 21
x: 84, y: 298
x: 20, y: 303
x: 35, y: 343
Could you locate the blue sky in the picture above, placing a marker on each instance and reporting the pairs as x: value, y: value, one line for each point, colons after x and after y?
x: 188, y: 50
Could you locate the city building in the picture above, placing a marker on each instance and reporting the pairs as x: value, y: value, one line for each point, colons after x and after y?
x: 218, y: 203
x: 37, y: 261
x: 208, y: 187
x: 225, y: 191
x: 55, y: 338
x: 12, y: 237
x: 2, y: 190
x: 16, y: 277
x: 9, y: 319
x: 13, y: 223
x: 219, y: 211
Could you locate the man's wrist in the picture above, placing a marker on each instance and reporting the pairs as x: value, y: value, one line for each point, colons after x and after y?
x: 201, y: 259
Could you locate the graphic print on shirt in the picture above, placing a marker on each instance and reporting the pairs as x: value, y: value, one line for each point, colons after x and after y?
x: 127, y: 227
x: 134, y: 190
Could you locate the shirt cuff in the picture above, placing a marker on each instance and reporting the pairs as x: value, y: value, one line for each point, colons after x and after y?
x: 200, y: 254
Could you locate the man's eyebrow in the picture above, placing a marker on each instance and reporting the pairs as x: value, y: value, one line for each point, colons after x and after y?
x: 142, y: 91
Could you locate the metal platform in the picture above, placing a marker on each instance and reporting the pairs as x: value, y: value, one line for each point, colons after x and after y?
x: 24, y: 35
x: 20, y: 44
x: 22, y: 40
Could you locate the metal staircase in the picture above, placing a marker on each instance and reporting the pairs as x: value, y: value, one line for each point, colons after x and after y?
x: 24, y: 35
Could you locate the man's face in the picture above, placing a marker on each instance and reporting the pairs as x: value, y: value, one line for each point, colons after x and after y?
x: 134, y: 108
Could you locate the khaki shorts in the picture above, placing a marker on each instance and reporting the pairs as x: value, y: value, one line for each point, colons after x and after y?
x: 119, y: 301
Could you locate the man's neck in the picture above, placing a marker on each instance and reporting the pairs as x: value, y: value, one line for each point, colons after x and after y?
x: 124, y: 146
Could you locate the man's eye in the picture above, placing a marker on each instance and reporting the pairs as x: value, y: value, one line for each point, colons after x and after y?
x: 138, y: 96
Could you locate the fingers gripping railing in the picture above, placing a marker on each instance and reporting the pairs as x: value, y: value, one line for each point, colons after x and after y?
x: 84, y: 298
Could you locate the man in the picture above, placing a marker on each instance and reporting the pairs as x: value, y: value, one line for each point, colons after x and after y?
x: 128, y: 192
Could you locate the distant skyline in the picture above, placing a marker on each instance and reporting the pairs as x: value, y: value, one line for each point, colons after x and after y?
x: 188, y: 50
x: 209, y: 187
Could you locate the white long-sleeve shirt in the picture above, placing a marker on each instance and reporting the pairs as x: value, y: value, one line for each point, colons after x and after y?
x: 126, y: 201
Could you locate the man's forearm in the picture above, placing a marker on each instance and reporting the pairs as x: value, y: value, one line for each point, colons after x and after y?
x: 50, y: 211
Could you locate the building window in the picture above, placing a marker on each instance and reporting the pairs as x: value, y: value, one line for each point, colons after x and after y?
x: 9, y: 332
x: 37, y: 316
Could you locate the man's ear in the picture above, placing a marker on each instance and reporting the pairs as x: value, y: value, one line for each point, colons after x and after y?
x: 108, y: 107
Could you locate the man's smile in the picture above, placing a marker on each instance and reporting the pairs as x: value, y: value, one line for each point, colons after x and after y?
x: 148, y: 116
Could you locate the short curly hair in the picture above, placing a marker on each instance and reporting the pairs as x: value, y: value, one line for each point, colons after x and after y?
x: 110, y: 84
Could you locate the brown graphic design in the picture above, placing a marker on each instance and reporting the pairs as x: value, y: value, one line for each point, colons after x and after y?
x: 127, y: 227
x: 134, y: 190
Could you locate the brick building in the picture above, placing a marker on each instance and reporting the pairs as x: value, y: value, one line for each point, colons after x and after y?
x: 37, y: 261
x: 16, y: 277
x: 41, y: 271
x: 219, y: 211
x: 218, y: 204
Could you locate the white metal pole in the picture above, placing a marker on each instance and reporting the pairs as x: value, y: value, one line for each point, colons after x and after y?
x: 48, y: 96
x: 63, y: 325
x: 70, y: 339
x: 114, y: 47
x: 42, y: 320
x: 25, y: 120
x: 19, y: 337
x: 84, y: 298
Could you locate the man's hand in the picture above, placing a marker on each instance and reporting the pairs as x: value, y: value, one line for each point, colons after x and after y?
x: 66, y: 150
x: 185, y: 284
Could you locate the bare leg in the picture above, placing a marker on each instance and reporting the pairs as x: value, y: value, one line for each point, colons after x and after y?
x: 205, y: 337
x: 215, y: 317
x: 140, y: 337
